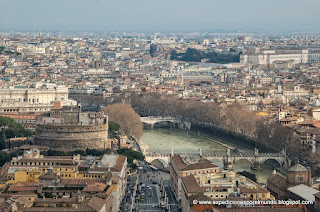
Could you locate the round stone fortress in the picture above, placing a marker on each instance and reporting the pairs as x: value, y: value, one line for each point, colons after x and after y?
x: 70, y: 129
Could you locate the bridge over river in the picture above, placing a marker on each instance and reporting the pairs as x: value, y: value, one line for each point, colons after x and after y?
x: 229, y: 158
x: 152, y: 120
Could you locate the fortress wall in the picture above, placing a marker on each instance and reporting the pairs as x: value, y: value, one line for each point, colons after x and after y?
x: 71, y: 137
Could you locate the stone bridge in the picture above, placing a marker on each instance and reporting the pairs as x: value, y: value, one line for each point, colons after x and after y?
x: 228, y: 159
x: 152, y: 120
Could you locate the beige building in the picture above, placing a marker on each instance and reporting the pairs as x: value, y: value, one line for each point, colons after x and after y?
x: 35, y: 98
x: 103, y: 176
x: 225, y: 185
x: 180, y: 168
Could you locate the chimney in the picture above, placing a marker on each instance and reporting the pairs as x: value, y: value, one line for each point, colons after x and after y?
x: 309, y: 177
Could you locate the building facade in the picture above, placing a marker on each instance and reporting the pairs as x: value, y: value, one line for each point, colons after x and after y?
x: 35, y: 98
x: 180, y: 167
x: 268, y: 58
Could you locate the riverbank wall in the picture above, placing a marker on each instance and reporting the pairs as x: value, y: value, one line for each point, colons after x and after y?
x: 233, y: 137
x: 209, y: 130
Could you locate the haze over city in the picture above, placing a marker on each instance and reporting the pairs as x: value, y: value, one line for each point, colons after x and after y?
x: 160, y: 15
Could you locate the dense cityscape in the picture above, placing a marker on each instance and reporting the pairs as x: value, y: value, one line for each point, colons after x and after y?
x: 76, y: 109
x: 159, y: 106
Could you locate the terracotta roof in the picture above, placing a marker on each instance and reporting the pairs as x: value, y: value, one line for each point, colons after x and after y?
x: 253, y: 190
x: 95, y: 187
x: 182, y: 166
x: 120, y: 162
x: 26, y: 186
x: 191, y: 184
x: 179, y: 163
x: 79, y: 182
x: 20, y: 188
x: 58, y: 200
x: 96, y: 203
x: 279, y: 180
x: 202, y: 164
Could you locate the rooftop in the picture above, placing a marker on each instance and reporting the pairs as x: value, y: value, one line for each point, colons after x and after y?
x: 303, y: 191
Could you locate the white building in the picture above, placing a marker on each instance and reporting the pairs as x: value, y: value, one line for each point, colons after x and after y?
x: 269, y: 57
x: 36, y: 98
x: 314, y: 57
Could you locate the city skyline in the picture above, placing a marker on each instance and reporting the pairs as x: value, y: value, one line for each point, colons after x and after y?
x: 109, y: 106
x: 160, y: 16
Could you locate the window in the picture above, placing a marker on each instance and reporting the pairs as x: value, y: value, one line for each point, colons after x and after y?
x: 300, y: 178
x: 292, y: 178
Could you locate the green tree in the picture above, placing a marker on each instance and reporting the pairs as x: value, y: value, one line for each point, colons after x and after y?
x: 114, y: 127
x: 153, y: 49
x: 194, y: 55
x: 3, y: 158
x: 248, y: 175
x: 3, y: 139
x: 13, y: 129
x: 131, y: 154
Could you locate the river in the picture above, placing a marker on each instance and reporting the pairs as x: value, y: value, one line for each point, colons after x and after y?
x: 161, y: 140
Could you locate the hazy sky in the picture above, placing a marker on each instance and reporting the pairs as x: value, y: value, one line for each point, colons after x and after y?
x: 160, y: 15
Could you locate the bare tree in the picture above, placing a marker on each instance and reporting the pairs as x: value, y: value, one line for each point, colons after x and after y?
x: 127, y: 118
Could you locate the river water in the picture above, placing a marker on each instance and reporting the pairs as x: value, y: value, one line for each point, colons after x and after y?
x: 161, y: 140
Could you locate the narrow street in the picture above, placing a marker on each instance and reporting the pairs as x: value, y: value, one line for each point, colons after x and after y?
x: 149, y: 195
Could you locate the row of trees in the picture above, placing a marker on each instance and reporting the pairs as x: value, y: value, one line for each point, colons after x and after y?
x: 233, y: 119
x: 194, y: 55
x: 94, y: 152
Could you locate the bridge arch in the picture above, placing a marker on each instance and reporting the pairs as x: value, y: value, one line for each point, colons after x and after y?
x: 281, y: 163
x: 218, y: 162
x: 243, y: 159
x: 164, y: 162
x: 165, y: 121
